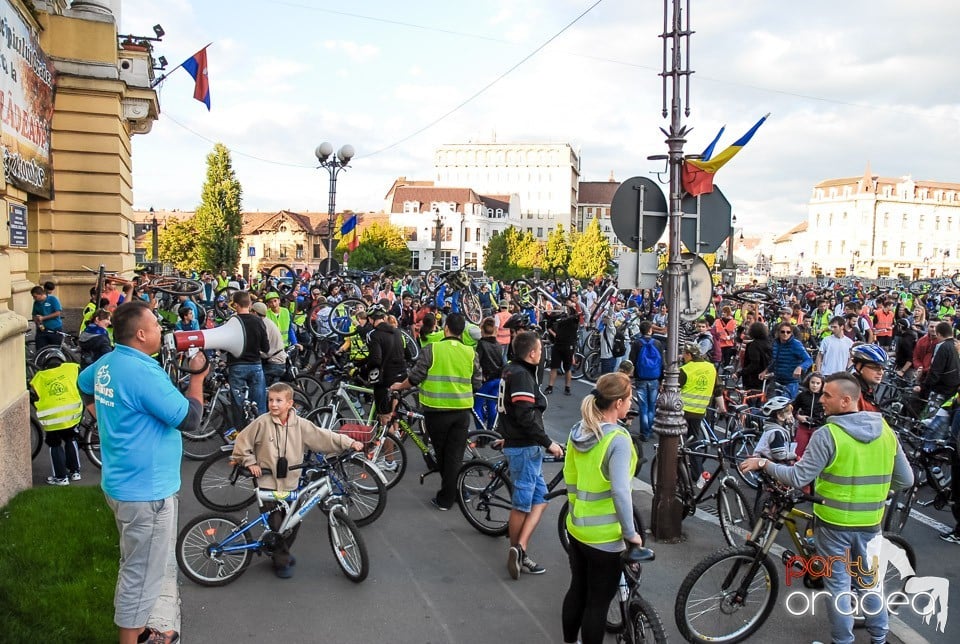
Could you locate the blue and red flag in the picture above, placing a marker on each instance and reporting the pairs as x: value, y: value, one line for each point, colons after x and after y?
x: 698, y: 174
x: 196, y: 65
x: 348, y: 232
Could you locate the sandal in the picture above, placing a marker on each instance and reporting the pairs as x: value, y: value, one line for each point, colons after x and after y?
x: 161, y: 637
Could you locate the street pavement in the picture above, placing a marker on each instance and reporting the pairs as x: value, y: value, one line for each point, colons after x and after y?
x: 434, y: 579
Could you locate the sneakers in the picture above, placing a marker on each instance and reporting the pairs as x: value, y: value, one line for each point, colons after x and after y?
x: 950, y: 537
x: 75, y: 476
x: 389, y: 466
x: 437, y: 505
x: 514, y: 561
x: 567, y: 392
x: 52, y: 480
x: 530, y: 566
x: 284, y: 572
x: 160, y: 637
x: 548, y: 390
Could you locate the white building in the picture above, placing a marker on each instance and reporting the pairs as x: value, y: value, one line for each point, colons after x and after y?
x: 789, y: 256
x: 544, y: 175
x: 875, y: 226
x: 466, y: 221
x: 595, y: 198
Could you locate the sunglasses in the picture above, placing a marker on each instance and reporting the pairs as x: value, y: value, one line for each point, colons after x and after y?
x: 786, y: 333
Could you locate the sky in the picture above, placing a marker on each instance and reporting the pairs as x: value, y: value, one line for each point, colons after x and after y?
x: 846, y: 83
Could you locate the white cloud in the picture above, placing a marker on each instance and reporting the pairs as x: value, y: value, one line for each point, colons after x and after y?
x: 357, y: 52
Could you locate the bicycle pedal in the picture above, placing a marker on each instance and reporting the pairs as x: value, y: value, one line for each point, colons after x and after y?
x: 787, y: 556
x: 925, y: 504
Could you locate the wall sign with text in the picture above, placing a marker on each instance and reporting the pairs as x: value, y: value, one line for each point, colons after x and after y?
x: 18, y: 226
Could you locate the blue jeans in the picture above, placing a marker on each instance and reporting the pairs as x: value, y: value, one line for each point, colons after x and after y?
x: 607, y: 365
x: 252, y: 376
x: 849, y: 546
x: 486, y: 408
x: 526, y: 472
x: 647, y: 398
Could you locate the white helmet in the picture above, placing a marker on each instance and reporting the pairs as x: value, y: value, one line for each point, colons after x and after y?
x: 775, y: 404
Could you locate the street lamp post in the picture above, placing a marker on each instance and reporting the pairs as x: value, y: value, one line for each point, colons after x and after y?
x: 437, y: 261
x: 730, y: 265
x: 155, y: 235
x: 333, y: 165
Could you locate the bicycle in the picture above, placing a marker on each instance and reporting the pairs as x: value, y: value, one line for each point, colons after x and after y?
x: 88, y: 437
x: 215, y: 549
x: 631, y: 617
x: 732, y: 507
x: 931, y: 460
x: 729, y: 595
x: 163, y: 283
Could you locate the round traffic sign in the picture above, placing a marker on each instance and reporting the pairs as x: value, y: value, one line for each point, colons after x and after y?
x: 638, y: 213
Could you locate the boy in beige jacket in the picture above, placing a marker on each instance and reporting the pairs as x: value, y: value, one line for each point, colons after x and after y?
x: 281, y: 434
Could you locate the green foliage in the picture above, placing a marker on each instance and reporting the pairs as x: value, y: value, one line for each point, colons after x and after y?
x: 178, y: 244
x: 219, y: 219
x: 58, y: 566
x: 557, y: 251
x: 381, y: 245
x: 590, y: 255
x: 512, y: 254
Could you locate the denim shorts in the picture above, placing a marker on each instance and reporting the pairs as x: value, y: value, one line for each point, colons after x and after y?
x: 526, y: 472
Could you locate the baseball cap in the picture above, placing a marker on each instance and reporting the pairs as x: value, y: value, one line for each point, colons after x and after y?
x: 259, y: 308
x: 272, y: 295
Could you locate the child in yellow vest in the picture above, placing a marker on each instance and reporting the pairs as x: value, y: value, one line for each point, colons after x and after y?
x: 59, y: 408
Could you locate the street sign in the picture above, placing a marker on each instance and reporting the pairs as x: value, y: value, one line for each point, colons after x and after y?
x: 638, y: 213
x: 629, y: 277
x: 455, y: 261
x: 696, y: 287
x: 18, y: 225
x: 706, y: 221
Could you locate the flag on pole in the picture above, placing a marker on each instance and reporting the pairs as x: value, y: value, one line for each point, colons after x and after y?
x: 348, y: 233
x: 196, y: 66
x: 698, y: 174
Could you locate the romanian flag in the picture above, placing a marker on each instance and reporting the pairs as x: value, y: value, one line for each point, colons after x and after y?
x: 349, y: 233
x: 698, y: 174
x: 196, y: 65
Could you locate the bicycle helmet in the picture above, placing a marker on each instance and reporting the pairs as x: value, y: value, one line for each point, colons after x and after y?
x: 376, y: 312
x: 869, y: 353
x: 50, y: 357
x: 775, y: 404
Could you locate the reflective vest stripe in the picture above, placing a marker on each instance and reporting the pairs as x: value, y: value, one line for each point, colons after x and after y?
x: 698, y: 389
x: 595, y: 520
x: 58, y: 404
x: 449, y: 381
x: 856, y: 480
x: 55, y: 410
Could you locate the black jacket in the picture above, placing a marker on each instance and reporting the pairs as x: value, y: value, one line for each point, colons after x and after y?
x: 521, y: 422
x: 756, y: 357
x: 808, y: 404
x: 386, y: 354
x: 254, y: 342
x: 491, y: 358
x: 944, y: 375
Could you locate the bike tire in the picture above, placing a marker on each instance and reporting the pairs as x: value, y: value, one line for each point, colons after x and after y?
x: 90, y: 437
x: 277, y: 275
x: 36, y: 438
x: 341, y: 318
x: 754, y: 295
x: 195, y: 556
x: 740, y: 449
x: 591, y: 367
x: 920, y: 287
x: 484, y: 445
x: 214, y: 488
x: 176, y: 285
x: 390, y: 457
x: 485, y: 497
x: 208, y: 438
x: 432, y: 281
x: 699, y: 589
x: 311, y: 387
x: 411, y: 348
x: 470, y: 305
x: 733, y: 511
x: 955, y: 279
x: 898, y: 509
x: 646, y: 622
x: 365, y: 490
x: 348, y: 546
x: 523, y: 292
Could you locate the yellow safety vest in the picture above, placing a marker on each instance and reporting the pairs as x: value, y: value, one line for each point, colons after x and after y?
x: 58, y: 405
x: 432, y: 338
x: 698, y: 389
x: 466, y: 337
x: 449, y: 382
x: 855, y: 484
x: 282, y: 319
x: 593, y: 517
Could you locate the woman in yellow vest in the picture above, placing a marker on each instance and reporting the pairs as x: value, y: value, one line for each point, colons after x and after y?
x: 59, y: 409
x: 599, y: 466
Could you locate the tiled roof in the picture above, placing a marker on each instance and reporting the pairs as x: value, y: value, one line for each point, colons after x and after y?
x: 424, y: 195
x: 314, y: 223
x: 799, y: 228
x: 891, y: 181
x: 597, y: 192
x: 496, y: 201
x: 402, y: 181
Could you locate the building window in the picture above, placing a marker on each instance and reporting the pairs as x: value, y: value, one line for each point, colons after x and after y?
x: 466, y: 234
x: 316, y: 251
x: 299, y: 251
x: 903, y: 249
x: 478, y: 233
x: 267, y: 252
x: 410, y: 233
x: 529, y: 230
x: 283, y: 252
x: 415, y: 259
x: 411, y: 206
x: 470, y: 261
x: 883, y: 249
x: 540, y: 232
x: 446, y: 257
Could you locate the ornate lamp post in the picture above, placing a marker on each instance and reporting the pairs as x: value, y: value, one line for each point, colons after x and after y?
x: 333, y: 165
x: 155, y: 233
x: 438, y: 233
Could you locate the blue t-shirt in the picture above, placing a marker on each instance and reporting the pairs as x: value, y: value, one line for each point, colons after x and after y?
x: 181, y: 326
x: 138, y: 411
x: 50, y: 305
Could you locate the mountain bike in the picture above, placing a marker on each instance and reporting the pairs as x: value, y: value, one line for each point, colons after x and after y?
x: 729, y: 595
x: 931, y: 460
x: 215, y: 549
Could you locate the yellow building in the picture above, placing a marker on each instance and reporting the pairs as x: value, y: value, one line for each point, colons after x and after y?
x: 68, y: 188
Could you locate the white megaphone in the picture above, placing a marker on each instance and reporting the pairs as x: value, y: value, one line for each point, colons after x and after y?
x: 228, y: 337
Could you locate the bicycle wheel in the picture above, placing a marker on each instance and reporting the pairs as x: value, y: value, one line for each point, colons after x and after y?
x: 920, y: 287
x: 390, y: 457
x: 279, y: 278
x: 733, y: 510
x: 470, y: 305
x: 411, y: 348
x: 740, y: 449
x: 898, y: 509
x: 579, y: 362
x: 523, y: 292
x: 215, y: 488
x: 432, y: 281
x: 485, y: 446
x: 207, y: 439
x: 348, y: 547
x: 199, y: 554
x: 311, y: 387
x: 176, y: 285
x: 36, y: 438
x: 366, y: 493
x: 646, y: 623
x: 591, y: 366
x: 484, y: 494
x: 90, y: 437
x: 342, y: 317
x: 708, y: 608
x: 755, y: 295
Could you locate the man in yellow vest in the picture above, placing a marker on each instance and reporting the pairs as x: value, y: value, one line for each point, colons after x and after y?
x: 698, y: 381
x: 59, y: 409
x: 282, y: 318
x: 855, y: 460
x: 448, y: 373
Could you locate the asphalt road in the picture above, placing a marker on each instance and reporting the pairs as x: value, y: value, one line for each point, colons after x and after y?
x: 435, y: 579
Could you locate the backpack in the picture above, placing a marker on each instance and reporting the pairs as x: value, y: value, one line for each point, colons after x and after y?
x: 649, y: 361
x: 619, y: 346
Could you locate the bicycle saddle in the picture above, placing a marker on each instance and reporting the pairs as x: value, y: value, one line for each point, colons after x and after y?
x: 638, y: 554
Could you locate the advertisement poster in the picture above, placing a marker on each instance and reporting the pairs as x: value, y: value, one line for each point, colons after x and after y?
x: 27, y: 82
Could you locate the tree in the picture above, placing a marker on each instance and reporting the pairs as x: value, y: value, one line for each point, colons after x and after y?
x: 178, y: 244
x: 496, y: 256
x: 381, y: 245
x: 219, y: 219
x: 590, y: 255
x: 557, y: 251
